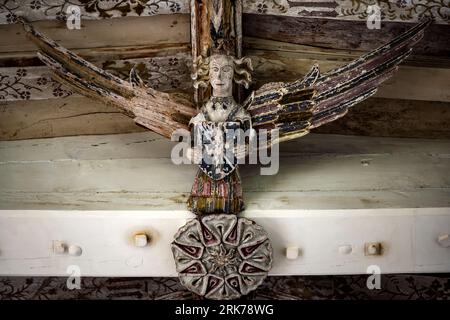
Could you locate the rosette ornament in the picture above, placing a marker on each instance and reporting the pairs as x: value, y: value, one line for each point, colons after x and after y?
x: 222, y: 256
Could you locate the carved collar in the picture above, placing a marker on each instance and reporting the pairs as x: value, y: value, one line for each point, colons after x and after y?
x: 222, y: 102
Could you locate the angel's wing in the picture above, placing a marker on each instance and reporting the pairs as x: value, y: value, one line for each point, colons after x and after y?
x: 158, y: 111
x: 297, y: 107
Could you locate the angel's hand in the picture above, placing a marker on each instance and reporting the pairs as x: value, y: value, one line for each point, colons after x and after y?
x: 194, y: 155
x: 241, y: 151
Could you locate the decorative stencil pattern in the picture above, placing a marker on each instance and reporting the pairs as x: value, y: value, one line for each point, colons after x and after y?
x: 161, y: 73
x: 391, y: 10
x: 396, y: 10
x: 393, y: 287
x: 90, y: 9
x: 29, y: 83
x: 35, y: 83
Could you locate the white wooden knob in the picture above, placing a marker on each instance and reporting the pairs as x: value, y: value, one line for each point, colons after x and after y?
x: 59, y: 247
x: 75, y: 250
x: 444, y: 240
x: 292, y: 253
x: 373, y: 249
x: 140, y: 240
x: 345, y: 249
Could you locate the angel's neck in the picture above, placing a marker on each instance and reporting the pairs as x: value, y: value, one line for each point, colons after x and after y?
x: 217, y: 92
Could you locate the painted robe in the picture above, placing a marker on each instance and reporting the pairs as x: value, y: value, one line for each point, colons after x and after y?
x: 224, y: 195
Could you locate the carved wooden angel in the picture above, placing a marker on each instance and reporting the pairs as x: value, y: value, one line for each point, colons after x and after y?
x: 217, y: 186
x: 294, y: 108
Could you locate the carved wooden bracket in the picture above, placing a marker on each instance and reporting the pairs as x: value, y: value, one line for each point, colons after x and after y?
x: 218, y: 255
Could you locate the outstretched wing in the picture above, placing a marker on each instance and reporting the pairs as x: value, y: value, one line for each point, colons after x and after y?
x: 158, y: 111
x: 297, y: 107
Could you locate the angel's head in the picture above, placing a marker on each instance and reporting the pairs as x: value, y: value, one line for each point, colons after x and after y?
x: 220, y: 71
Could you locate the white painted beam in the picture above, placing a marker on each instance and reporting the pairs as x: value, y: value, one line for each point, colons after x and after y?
x: 82, y: 201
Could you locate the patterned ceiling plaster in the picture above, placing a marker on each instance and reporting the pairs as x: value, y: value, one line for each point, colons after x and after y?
x: 35, y: 83
x: 391, y: 10
x: 393, y: 287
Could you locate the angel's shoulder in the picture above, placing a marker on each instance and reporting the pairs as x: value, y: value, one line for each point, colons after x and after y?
x: 241, y: 114
x: 200, y: 117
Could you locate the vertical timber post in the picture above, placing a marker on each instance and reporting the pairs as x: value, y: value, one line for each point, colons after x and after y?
x: 215, y: 25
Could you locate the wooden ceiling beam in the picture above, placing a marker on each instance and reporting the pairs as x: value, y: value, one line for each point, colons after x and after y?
x: 342, y: 35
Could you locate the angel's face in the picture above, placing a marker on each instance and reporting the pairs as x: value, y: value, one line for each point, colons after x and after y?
x: 221, y: 71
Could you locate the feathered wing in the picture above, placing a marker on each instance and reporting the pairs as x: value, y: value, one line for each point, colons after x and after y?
x: 160, y: 112
x: 297, y: 107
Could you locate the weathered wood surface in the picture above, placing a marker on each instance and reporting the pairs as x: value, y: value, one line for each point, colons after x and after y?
x: 329, y: 55
x: 129, y: 31
x: 409, y: 11
x: 216, y: 26
x: 99, y: 54
x: 158, y: 111
x: 345, y: 35
x: 419, y: 78
x: 78, y: 115
x: 169, y: 72
x: 316, y: 172
x: 410, y: 82
x: 175, y: 29
x: 97, y: 192
x: 289, y: 62
x: 286, y: 63
x: 394, y: 118
x: 104, y: 43
x: 69, y: 116
x: 319, y: 98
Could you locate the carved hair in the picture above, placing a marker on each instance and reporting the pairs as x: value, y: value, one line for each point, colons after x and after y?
x: 242, y: 71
